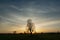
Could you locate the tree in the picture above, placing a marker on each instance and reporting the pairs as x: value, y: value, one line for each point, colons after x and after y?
x: 30, y: 25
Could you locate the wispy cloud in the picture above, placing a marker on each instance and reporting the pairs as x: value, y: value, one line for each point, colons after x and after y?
x: 48, y: 23
x: 16, y: 13
x: 12, y: 6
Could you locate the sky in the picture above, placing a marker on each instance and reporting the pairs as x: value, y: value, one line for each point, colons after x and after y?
x: 14, y: 14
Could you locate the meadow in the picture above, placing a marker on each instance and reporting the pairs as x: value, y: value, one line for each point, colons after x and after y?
x: 35, y: 36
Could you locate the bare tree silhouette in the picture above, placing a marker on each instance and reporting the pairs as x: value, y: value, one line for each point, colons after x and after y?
x: 30, y: 25
x: 14, y: 32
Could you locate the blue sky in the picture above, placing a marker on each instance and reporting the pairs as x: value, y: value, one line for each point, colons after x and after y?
x: 15, y: 13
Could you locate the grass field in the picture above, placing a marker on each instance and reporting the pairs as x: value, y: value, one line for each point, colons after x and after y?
x: 36, y: 36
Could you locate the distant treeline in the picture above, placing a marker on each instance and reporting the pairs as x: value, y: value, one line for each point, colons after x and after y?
x: 34, y: 33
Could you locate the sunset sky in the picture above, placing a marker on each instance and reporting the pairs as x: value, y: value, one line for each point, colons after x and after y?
x: 14, y: 14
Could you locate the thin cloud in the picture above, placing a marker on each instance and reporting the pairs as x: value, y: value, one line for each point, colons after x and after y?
x: 12, y: 6
x: 48, y: 23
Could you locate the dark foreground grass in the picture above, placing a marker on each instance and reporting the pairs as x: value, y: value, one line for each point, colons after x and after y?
x: 37, y: 36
